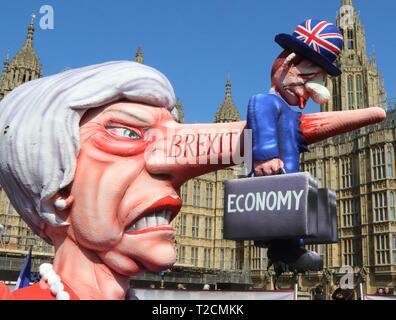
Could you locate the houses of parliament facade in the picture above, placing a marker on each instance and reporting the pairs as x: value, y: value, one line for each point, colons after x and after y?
x: 360, y: 166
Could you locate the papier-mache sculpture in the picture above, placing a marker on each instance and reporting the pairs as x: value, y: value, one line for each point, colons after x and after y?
x: 93, y: 159
x: 281, y: 134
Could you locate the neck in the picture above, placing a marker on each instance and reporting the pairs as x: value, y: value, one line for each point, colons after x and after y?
x: 83, y: 272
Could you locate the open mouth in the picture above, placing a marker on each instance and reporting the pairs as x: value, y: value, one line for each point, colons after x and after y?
x: 157, y: 217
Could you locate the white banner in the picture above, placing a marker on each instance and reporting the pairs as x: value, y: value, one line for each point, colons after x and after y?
x: 153, y: 294
x: 374, y: 297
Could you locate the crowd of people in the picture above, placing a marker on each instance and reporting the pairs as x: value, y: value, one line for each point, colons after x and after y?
x: 181, y: 286
x: 339, y: 293
x: 385, y: 292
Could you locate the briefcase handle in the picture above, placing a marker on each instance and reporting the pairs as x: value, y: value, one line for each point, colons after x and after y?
x: 282, y: 172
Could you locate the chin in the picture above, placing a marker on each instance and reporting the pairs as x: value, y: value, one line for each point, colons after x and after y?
x: 162, y: 256
x: 121, y: 264
x: 292, y: 101
x: 159, y: 257
x: 290, y: 98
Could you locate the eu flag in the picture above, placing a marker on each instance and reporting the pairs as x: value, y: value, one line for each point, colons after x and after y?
x: 24, y: 277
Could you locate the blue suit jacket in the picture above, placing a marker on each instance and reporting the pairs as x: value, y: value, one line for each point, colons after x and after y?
x: 276, y: 131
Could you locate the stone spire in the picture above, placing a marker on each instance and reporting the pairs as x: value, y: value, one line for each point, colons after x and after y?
x: 6, y: 62
x: 180, y: 112
x: 139, y: 56
x: 25, y: 66
x: 346, y: 3
x: 228, y: 111
x: 27, y: 56
x: 31, y: 30
x: 360, y: 85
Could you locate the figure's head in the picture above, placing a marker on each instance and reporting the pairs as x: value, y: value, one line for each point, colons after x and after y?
x: 298, y: 79
x: 83, y: 158
x: 299, y: 73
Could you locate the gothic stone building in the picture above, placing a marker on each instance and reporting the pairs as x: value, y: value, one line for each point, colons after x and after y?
x: 360, y: 166
x: 17, y: 237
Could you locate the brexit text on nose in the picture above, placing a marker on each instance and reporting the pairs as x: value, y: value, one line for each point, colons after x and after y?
x: 200, y: 147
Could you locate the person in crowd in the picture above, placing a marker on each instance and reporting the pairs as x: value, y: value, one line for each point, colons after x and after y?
x: 380, y: 292
x: 181, y: 286
x: 387, y: 292
x: 206, y: 287
x: 319, y: 293
x: 343, y: 294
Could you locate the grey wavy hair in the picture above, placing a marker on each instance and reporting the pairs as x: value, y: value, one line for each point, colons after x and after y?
x: 40, y: 129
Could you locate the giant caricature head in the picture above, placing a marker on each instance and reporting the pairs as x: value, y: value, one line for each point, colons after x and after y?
x: 298, y: 79
x: 300, y: 72
x: 79, y: 160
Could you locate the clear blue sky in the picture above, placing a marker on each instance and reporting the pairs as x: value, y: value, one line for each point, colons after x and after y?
x: 194, y: 42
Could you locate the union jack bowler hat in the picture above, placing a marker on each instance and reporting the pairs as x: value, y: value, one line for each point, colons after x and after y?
x: 318, y: 41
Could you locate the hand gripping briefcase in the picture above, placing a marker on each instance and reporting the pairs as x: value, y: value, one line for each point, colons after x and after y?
x: 273, y: 207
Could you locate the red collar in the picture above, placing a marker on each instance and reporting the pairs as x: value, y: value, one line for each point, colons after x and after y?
x: 39, y: 291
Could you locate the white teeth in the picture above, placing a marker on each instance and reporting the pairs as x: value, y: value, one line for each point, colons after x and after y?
x: 153, y: 220
x: 161, y: 214
x: 140, y: 224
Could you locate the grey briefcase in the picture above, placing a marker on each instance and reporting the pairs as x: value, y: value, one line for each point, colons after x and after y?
x: 273, y: 207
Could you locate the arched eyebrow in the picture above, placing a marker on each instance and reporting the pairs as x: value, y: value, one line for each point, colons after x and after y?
x: 135, y: 116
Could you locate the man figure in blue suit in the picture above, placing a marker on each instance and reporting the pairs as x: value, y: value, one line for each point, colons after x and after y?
x: 298, y: 74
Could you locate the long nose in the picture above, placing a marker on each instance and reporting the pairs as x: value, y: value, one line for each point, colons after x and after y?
x: 320, y: 126
x: 186, y: 151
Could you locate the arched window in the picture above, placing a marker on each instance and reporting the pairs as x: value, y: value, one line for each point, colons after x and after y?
x: 390, y: 163
x: 359, y: 91
x: 209, y: 195
x: 392, y: 207
x: 336, y: 105
x: 319, y: 175
x: 351, y: 99
x: 346, y: 173
x: 197, y: 194
x: 184, y: 193
x: 380, y: 207
x: 351, y: 39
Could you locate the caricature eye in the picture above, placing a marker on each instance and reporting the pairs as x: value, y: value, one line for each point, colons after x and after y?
x: 125, y: 133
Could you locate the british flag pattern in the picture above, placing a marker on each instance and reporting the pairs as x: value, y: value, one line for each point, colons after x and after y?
x: 322, y: 36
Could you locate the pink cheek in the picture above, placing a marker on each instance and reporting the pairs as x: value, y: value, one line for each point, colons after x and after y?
x: 93, y: 226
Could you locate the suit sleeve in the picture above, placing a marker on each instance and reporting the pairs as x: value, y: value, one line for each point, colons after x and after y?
x: 262, y: 118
